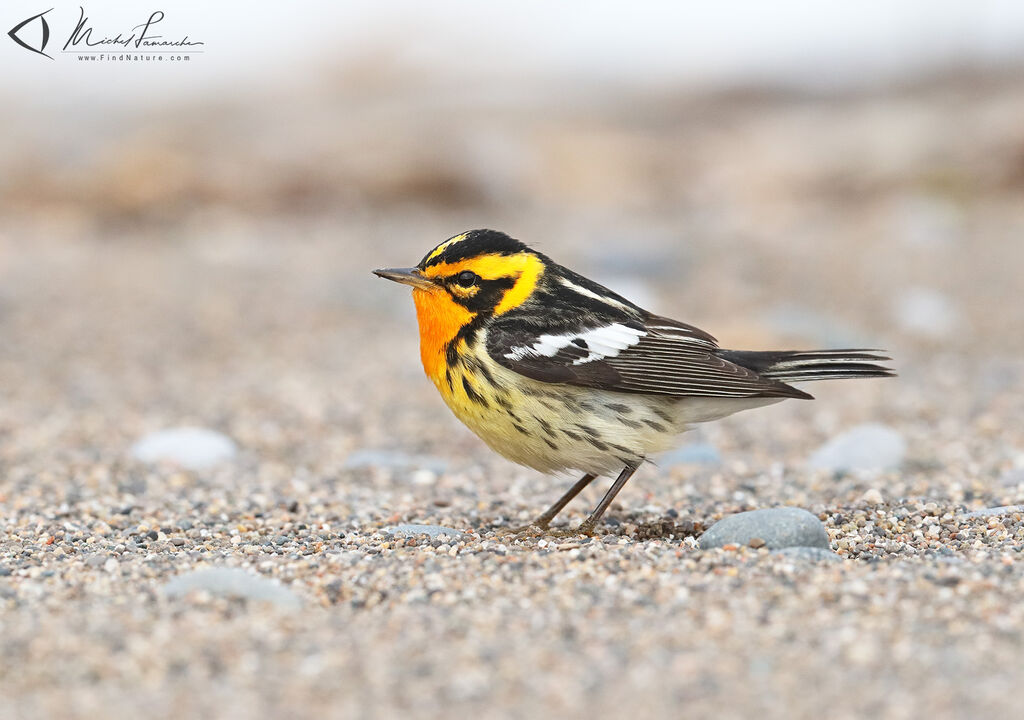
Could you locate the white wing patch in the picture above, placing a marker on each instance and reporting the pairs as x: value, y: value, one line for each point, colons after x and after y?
x: 600, y: 343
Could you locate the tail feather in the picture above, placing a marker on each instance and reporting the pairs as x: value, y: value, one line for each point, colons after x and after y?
x: 800, y: 366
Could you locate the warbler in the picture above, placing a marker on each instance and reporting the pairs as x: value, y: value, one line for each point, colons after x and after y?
x: 556, y: 372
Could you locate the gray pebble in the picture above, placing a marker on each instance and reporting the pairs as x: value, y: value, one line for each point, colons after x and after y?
x: 777, y: 527
x: 432, y: 530
x: 995, y: 511
x: 808, y: 554
x: 872, y: 447
x: 395, y: 460
x: 232, y: 582
x: 190, y: 447
x: 694, y: 454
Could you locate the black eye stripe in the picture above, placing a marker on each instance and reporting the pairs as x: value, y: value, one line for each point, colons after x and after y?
x: 487, y: 295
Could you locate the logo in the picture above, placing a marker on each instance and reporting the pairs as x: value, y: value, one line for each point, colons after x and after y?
x: 145, y: 41
x: 45, y: 26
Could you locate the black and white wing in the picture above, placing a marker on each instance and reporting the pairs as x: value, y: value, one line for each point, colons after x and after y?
x: 648, y: 354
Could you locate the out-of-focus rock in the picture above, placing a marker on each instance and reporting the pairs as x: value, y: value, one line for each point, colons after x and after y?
x: 432, y: 530
x: 394, y: 460
x: 232, y: 583
x: 926, y: 313
x: 693, y: 454
x: 791, y: 320
x: 865, y: 447
x: 194, y: 448
x: 995, y: 511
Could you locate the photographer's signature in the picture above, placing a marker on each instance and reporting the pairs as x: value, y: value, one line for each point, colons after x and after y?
x: 142, y: 36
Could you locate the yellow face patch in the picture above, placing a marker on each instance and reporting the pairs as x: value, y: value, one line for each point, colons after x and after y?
x: 526, y: 268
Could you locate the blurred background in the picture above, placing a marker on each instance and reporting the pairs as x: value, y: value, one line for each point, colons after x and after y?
x: 181, y: 238
x: 191, y: 243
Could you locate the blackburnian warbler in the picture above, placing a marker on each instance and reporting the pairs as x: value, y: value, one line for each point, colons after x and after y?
x: 556, y: 372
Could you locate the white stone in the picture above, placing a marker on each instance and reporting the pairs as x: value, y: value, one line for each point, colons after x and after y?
x: 926, y: 313
x: 190, y: 447
x: 864, y: 447
x: 234, y: 583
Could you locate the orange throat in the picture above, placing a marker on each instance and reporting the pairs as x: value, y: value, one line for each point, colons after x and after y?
x: 440, y: 319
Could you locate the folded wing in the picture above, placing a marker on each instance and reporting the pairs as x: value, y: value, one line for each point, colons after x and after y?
x: 652, y: 355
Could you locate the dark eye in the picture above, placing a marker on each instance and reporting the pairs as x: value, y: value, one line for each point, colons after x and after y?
x: 466, y: 278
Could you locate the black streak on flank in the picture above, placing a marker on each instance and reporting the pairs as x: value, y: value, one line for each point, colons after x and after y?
x: 656, y: 426
x: 619, y: 408
x: 663, y: 415
x: 448, y: 377
x: 549, y: 405
x: 482, y: 369
x: 550, y: 444
x: 520, y: 429
x: 473, y: 394
x: 598, y: 444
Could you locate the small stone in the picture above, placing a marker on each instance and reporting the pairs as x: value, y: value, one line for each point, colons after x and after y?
x: 995, y: 511
x: 872, y: 497
x: 775, y: 527
x: 395, y: 460
x: 926, y: 313
x: 432, y: 530
x: 232, y: 582
x: 190, y: 447
x: 808, y: 554
x: 756, y: 543
x: 865, y: 447
x: 694, y: 454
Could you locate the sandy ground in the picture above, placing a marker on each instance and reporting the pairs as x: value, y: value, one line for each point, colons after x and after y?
x: 889, y: 220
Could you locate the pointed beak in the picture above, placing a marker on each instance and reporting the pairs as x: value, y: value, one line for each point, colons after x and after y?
x: 406, y: 276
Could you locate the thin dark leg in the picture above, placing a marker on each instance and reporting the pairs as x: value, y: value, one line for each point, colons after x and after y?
x: 588, y: 525
x: 548, y: 515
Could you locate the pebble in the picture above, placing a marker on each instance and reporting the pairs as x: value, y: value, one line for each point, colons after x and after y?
x: 873, y: 496
x: 693, y: 454
x: 432, y: 530
x: 193, y: 448
x: 926, y: 313
x: 868, y: 447
x: 232, y: 583
x: 772, y: 527
x: 395, y: 460
x: 808, y: 554
x: 995, y: 511
x: 804, y: 322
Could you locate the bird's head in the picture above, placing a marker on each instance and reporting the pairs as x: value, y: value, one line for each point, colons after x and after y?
x: 478, y: 274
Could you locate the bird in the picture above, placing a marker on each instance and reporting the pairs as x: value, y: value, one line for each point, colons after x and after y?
x: 557, y: 372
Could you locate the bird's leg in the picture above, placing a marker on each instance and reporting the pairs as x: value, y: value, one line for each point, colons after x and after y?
x: 588, y: 525
x: 545, y: 518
